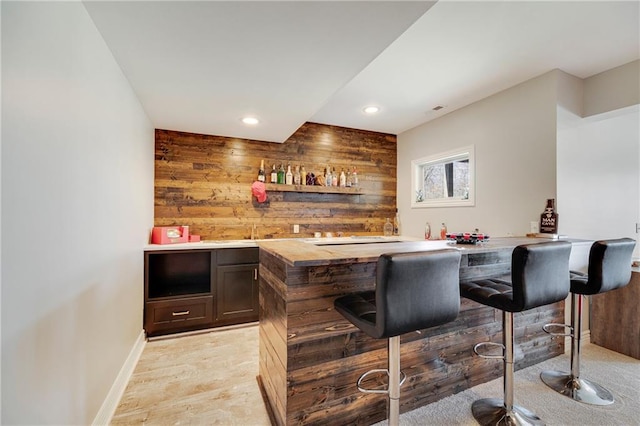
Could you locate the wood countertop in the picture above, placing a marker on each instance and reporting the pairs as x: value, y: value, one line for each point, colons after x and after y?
x: 220, y: 244
x: 308, y: 253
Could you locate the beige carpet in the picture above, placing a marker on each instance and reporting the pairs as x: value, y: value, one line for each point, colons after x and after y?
x: 618, y: 373
x: 210, y: 378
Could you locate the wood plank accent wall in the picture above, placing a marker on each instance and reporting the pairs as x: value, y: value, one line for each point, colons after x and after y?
x: 205, y: 182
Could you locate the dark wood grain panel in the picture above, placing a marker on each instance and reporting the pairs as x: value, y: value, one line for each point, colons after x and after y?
x: 615, y: 318
x: 325, y: 354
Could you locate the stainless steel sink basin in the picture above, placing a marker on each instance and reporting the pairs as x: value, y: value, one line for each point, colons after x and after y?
x: 228, y: 242
x: 352, y: 240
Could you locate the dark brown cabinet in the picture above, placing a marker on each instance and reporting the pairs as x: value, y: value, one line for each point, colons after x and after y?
x: 188, y: 313
x: 187, y: 290
x: 236, y: 286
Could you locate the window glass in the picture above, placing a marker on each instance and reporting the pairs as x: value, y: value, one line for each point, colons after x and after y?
x: 445, y: 179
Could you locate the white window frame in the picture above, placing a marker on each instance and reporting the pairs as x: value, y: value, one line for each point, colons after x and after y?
x: 418, y: 165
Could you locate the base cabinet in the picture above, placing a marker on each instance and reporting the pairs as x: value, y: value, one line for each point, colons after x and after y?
x: 183, y: 314
x: 237, y: 294
x: 186, y: 290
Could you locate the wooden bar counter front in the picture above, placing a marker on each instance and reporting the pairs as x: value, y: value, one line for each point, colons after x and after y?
x: 311, y: 357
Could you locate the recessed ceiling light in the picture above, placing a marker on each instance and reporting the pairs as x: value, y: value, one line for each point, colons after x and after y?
x: 251, y: 121
x: 372, y: 109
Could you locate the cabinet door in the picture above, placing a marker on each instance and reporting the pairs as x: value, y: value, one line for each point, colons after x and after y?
x: 237, y: 294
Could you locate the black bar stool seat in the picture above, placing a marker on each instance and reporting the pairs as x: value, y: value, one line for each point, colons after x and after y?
x: 539, y: 276
x: 609, y: 269
x: 413, y: 291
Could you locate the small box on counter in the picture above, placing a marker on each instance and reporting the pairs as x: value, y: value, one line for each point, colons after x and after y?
x: 170, y: 234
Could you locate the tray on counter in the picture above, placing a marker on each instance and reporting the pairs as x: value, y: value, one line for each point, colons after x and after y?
x: 467, y: 237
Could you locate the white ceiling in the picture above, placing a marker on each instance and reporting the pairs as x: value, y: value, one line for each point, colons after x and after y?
x: 202, y: 66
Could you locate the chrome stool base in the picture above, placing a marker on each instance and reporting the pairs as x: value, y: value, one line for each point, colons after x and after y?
x: 581, y: 390
x: 492, y: 411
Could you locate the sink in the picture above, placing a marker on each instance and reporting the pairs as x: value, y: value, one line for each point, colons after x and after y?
x: 230, y: 242
x: 360, y: 239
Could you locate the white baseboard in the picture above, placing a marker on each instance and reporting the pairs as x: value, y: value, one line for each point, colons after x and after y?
x: 112, y: 400
x: 585, y: 339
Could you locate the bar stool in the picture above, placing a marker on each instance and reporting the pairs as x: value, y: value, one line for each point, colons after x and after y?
x: 539, y: 276
x: 413, y: 291
x: 609, y: 268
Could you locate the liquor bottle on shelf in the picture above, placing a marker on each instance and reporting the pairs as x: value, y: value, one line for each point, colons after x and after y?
x: 334, y: 176
x: 343, y: 179
x: 303, y: 175
x: 296, y: 176
x: 387, y: 228
x: 427, y: 231
x: 354, y: 177
x: 327, y: 176
x: 261, y: 176
x: 443, y: 232
x: 289, y: 176
x: 274, y: 174
x: 281, y: 174
x: 396, y: 223
x: 349, y: 178
x: 549, y: 218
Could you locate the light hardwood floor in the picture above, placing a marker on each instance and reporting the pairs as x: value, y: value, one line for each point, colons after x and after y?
x: 177, y: 382
x: 210, y: 379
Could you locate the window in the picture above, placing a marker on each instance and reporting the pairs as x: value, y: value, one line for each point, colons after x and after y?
x: 444, y: 180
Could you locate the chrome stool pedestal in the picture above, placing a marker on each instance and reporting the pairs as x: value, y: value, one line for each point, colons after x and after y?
x: 491, y: 411
x: 395, y: 379
x: 571, y: 384
x: 581, y: 390
x: 494, y: 411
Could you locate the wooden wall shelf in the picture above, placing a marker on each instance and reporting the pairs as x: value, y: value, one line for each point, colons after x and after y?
x: 313, y: 188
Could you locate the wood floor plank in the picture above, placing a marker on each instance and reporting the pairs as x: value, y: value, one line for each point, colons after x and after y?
x: 207, y: 378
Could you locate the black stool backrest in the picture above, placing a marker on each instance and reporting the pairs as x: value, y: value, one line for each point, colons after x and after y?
x: 609, y: 265
x: 416, y: 291
x: 539, y: 274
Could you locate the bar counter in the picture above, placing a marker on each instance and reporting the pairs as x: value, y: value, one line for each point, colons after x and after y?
x: 311, y: 357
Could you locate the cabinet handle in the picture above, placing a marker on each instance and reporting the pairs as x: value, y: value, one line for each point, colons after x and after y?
x: 255, y: 274
x: 177, y: 314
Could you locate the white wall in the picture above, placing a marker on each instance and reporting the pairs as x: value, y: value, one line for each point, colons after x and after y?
x: 0, y: 222
x: 599, y: 155
x: 599, y: 175
x: 612, y: 89
x: 514, y: 133
x: 77, y: 205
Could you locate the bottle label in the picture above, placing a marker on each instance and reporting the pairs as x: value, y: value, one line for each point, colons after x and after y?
x: 549, y: 222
